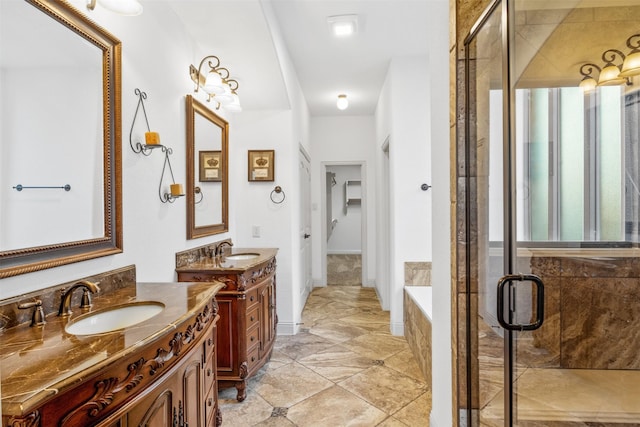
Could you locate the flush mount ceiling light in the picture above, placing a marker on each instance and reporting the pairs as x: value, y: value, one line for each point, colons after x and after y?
x: 217, y: 83
x: 343, y: 102
x: 122, y: 7
x: 343, y: 25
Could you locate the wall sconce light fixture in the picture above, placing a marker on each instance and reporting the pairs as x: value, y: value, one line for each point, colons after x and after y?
x: 176, y: 190
x: 588, y: 82
x: 122, y: 7
x: 216, y: 82
x: 342, y: 102
x: 610, y: 74
x: 631, y: 65
x: 152, y: 142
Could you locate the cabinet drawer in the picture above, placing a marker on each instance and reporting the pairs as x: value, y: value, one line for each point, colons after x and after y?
x: 253, y: 337
x: 210, y: 407
x: 209, y: 373
x: 253, y: 317
x: 253, y: 357
x: 252, y: 297
x: 210, y: 346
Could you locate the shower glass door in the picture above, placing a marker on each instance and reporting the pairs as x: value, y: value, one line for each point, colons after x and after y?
x: 555, y: 193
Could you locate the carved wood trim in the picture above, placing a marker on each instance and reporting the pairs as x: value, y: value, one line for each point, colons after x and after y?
x: 244, y: 370
x: 29, y: 420
x: 108, y: 388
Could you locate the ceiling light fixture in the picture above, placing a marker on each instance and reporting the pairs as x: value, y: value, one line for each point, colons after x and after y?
x: 343, y: 25
x: 588, y: 82
x: 343, y: 102
x: 123, y: 7
x: 217, y: 83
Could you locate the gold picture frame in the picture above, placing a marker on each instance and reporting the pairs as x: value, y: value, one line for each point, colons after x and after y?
x: 261, y: 165
x: 210, y: 166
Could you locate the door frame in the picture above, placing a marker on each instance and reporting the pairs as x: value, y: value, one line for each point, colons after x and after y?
x: 363, y: 218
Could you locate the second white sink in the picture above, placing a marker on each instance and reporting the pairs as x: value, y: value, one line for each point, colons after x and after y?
x: 113, y: 318
x: 243, y: 256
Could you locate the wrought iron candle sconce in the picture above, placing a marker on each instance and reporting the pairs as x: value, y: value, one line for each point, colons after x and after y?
x: 152, y: 142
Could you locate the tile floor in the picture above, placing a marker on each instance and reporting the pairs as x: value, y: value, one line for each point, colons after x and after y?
x: 343, y: 369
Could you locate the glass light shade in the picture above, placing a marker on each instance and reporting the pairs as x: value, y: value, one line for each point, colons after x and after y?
x: 234, y: 106
x: 610, y: 76
x: 213, y: 84
x: 343, y: 102
x: 631, y: 65
x: 122, y: 7
x: 588, y: 84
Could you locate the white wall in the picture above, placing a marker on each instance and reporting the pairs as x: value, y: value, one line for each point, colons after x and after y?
x: 406, y: 94
x: 442, y: 241
x: 346, y: 237
x: 342, y: 140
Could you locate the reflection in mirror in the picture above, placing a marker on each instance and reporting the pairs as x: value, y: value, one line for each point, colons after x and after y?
x: 207, y: 174
x: 52, y: 136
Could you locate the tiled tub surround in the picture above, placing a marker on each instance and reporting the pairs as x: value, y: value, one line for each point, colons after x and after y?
x: 344, y: 269
x: 41, y: 363
x: 417, y: 274
x: 417, y: 326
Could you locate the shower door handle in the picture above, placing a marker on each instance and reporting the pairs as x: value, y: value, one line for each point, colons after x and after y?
x: 539, y: 314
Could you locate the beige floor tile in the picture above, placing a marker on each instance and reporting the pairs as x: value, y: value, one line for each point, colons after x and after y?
x: 247, y: 413
x: 336, y: 363
x: 290, y: 384
x: 384, y: 388
x: 405, y: 363
x: 377, y: 345
x: 335, y: 407
x: 301, y: 345
x: 392, y: 422
x: 337, y: 331
x: 416, y: 413
x: 274, y: 422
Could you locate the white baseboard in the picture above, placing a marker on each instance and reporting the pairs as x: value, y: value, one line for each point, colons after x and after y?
x: 397, y: 329
x: 288, y: 328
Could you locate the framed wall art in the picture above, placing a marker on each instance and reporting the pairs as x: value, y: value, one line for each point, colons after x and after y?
x: 210, y: 166
x: 261, y: 165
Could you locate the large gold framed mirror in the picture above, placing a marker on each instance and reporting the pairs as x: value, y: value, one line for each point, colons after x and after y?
x: 207, y: 171
x: 60, y: 144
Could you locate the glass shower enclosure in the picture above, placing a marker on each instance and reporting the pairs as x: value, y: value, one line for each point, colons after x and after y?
x: 552, y: 150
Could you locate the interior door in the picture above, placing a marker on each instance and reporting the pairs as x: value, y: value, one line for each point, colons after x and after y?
x: 305, y: 223
x: 553, y: 200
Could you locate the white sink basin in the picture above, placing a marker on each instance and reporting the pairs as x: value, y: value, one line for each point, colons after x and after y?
x: 113, y: 318
x: 244, y: 256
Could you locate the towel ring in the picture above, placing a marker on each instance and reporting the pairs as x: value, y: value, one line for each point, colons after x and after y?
x: 274, y: 195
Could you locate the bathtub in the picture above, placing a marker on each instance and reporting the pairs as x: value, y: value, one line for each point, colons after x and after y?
x: 417, y: 325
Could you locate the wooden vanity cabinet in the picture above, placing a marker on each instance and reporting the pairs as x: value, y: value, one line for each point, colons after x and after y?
x: 170, y: 382
x: 248, y: 320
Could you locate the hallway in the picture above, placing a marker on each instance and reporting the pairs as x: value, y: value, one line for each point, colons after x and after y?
x: 343, y: 369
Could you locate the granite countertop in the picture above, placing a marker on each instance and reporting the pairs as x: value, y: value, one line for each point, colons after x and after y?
x: 225, y: 264
x: 40, y: 362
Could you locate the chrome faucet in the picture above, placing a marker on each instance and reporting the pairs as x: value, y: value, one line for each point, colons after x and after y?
x: 65, y: 302
x: 220, y: 247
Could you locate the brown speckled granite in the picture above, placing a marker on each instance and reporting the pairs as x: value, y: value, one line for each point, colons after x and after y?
x: 40, y: 362
x: 223, y: 264
x: 197, y: 254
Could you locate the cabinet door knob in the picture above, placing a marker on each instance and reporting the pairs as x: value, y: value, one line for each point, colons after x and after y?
x: 253, y: 338
x: 252, y: 318
x: 251, y: 298
x: 209, y: 372
x: 210, y: 401
x: 210, y: 341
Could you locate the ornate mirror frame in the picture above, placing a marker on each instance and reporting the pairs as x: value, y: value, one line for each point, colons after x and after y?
x: 26, y: 260
x: 194, y: 231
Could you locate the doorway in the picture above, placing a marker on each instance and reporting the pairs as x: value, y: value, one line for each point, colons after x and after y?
x: 552, y: 320
x: 344, y: 252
